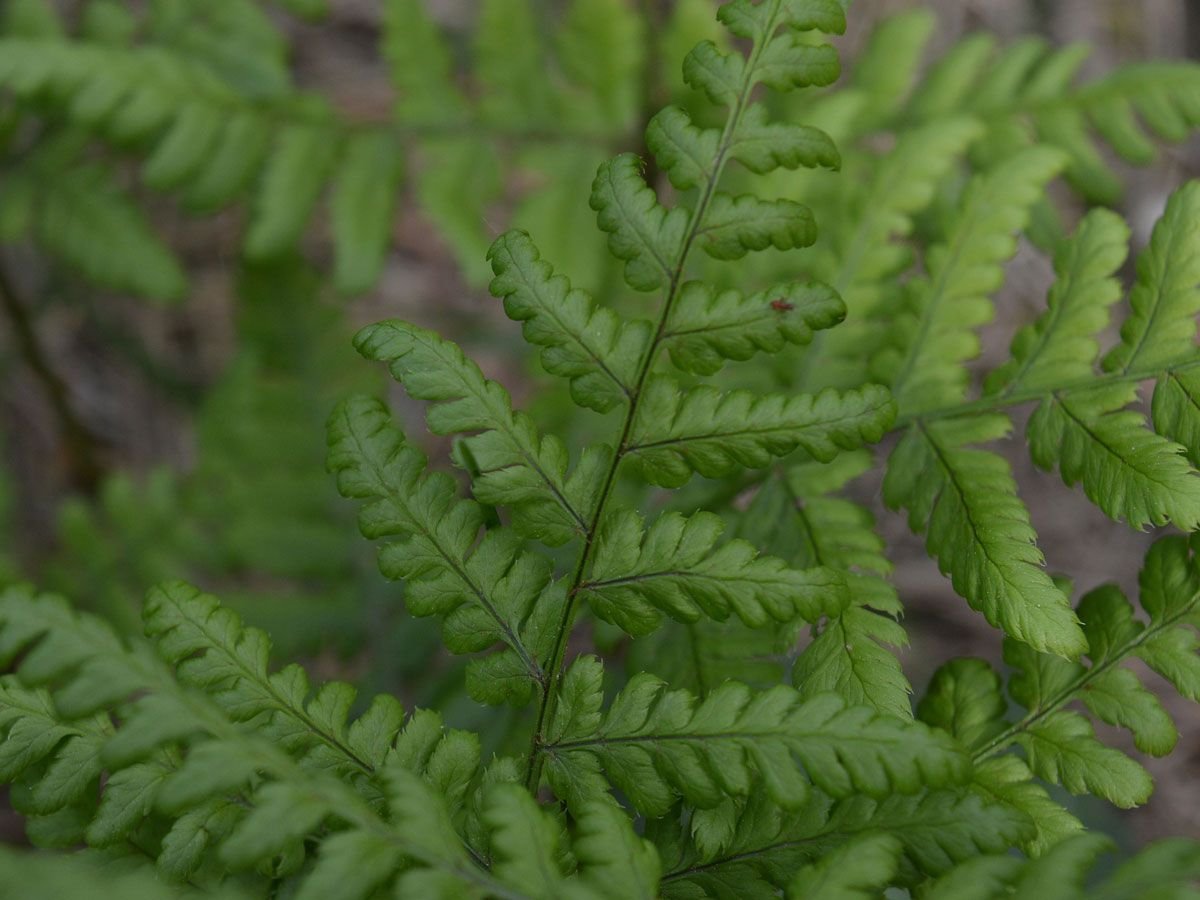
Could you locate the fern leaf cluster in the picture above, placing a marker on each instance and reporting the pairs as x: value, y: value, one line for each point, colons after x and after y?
x: 753, y: 736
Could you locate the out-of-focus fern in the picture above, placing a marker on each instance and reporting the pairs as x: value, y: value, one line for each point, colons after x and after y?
x: 255, y: 514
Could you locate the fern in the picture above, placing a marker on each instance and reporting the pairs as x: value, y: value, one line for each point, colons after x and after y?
x: 757, y: 739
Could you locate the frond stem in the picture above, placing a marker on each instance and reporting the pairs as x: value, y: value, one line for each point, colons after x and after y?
x: 549, y: 699
x: 1019, y: 397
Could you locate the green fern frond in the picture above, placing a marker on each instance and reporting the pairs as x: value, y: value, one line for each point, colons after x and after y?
x: 485, y: 594
x: 589, y: 344
x: 516, y: 466
x: 655, y: 744
x: 951, y: 301
x: 706, y: 327
x: 676, y: 567
x: 979, y: 530
x: 858, y: 870
x: 1027, y: 94
x: 1167, y: 868
x: 938, y: 830
x: 1060, y: 743
x: 709, y: 432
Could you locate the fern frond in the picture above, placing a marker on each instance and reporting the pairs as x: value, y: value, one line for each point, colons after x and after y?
x: 655, y: 744
x: 484, y: 594
x: 703, y: 655
x: 52, y: 876
x: 738, y: 225
x: 858, y: 870
x: 1061, y: 346
x: 1060, y: 743
x: 948, y: 304
x: 362, y: 207
x: 214, y: 650
x: 937, y: 830
x: 176, y: 752
x: 1027, y: 93
x: 589, y: 344
x: 1168, y: 868
x: 642, y: 232
x: 602, y: 47
x: 81, y: 216
x: 977, y: 527
x: 1126, y: 469
x: 708, y: 327
x: 709, y: 432
x: 517, y: 467
x: 677, y: 568
x: 848, y: 655
x: 1161, y: 328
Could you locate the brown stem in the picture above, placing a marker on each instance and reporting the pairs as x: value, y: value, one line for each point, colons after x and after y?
x: 81, y: 448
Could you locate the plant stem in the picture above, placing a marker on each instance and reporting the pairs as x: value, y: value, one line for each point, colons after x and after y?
x: 1019, y: 398
x: 549, y: 700
x: 80, y: 446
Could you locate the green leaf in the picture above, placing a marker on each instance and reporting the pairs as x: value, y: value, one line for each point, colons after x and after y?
x: 129, y: 796
x: 677, y: 568
x: 1161, y: 328
x: 186, y: 146
x: 655, y: 744
x: 759, y: 20
x: 1126, y: 469
x: 1175, y: 410
x: 420, y: 65
x: 858, y: 870
x: 703, y: 655
x: 719, y: 75
x: 1172, y: 864
x: 514, y: 466
x: 281, y: 813
x: 965, y: 699
x: 763, y: 146
x: 734, y: 226
x: 706, y: 327
x: 511, y: 62
x: 524, y: 841
x: 640, y: 231
x: 706, y: 431
x: 231, y: 164
x: 485, y: 593
x: 602, y: 49
x: 889, y: 63
x: 1061, y: 346
x: 1062, y: 748
x: 194, y: 835
x: 589, y: 344
x: 938, y: 829
x: 789, y: 61
x: 846, y: 658
x: 856, y: 251
x: 979, y: 530
x: 1007, y: 780
x: 363, y: 201
x: 684, y: 151
x: 293, y: 179
x: 946, y: 306
x: 1118, y: 698
x: 351, y: 864
x: 85, y: 220
x: 613, y: 858
x: 214, y: 650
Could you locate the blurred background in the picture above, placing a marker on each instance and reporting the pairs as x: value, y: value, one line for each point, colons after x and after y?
x: 200, y: 201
